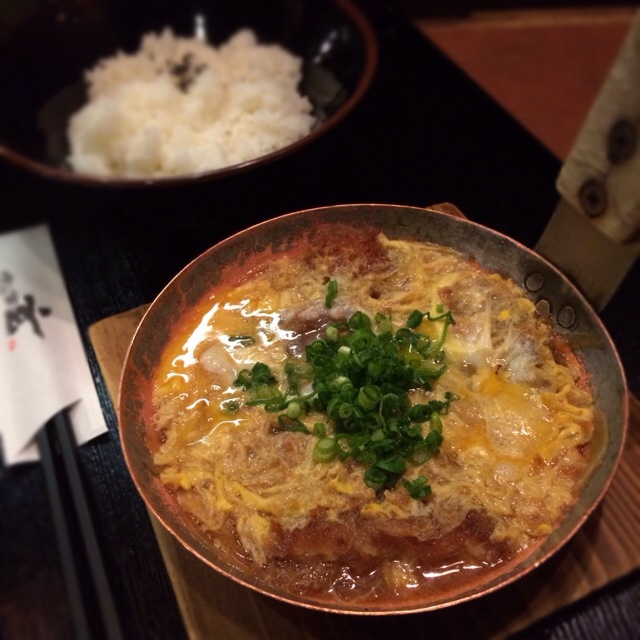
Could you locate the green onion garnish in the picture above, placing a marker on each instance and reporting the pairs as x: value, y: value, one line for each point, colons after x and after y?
x: 361, y: 374
x: 230, y: 406
x: 325, y: 450
x: 243, y: 340
x: 417, y: 488
x: 332, y: 292
x: 259, y: 374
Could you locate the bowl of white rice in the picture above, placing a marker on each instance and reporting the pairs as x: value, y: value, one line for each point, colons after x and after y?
x: 176, y: 92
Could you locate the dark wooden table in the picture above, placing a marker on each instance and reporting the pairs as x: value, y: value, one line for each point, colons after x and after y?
x: 423, y: 134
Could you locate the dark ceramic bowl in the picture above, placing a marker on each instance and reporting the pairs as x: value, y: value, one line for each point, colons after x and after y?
x: 494, y: 251
x: 46, y: 46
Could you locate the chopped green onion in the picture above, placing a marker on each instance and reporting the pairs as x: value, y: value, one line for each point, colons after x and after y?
x: 273, y: 405
x: 293, y: 410
x: 420, y: 412
x: 320, y: 429
x: 435, y: 422
x: 288, y: 424
x: 376, y: 478
x: 394, y: 464
x: 433, y: 440
x: 345, y: 410
x: 259, y: 374
x: 230, y: 406
x: 420, y: 454
x: 383, y: 323
x: 325, y: 450
x: 332, y: 334
x: 243, y: 379
x: 414, y: 319
x: 418, y: 488
x: 359, y: 320
x: 245, y: 340
x: 338, y: 383
x: 332, y: 292
x: 361, y: 374
x: 369, y: 397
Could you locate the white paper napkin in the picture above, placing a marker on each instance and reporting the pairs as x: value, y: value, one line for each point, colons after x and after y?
x: 43, y: 365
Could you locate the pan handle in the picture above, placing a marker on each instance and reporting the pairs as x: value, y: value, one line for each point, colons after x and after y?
x: 601, y: 175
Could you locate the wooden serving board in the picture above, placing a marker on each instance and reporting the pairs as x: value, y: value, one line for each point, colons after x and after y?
x: 604, y: 549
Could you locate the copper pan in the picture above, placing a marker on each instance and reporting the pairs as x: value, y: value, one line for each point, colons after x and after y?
x: 553, y: 293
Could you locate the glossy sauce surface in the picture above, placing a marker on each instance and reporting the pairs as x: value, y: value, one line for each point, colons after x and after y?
x: 516, y: 439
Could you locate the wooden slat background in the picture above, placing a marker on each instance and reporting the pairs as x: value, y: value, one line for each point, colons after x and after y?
x: 544, y: 66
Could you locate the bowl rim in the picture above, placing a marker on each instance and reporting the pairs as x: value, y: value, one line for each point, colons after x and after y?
x: 597, y: 482
x: 68, y: 176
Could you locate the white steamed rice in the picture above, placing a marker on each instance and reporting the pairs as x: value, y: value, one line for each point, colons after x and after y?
x: 180, y: 106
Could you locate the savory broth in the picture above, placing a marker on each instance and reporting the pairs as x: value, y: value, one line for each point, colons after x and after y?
x: 283, y: 481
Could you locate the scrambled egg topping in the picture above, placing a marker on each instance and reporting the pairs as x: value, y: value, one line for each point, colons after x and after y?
x: 515, y: 443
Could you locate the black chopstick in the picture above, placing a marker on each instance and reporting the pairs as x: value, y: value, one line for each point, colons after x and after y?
x: 93, y: 610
